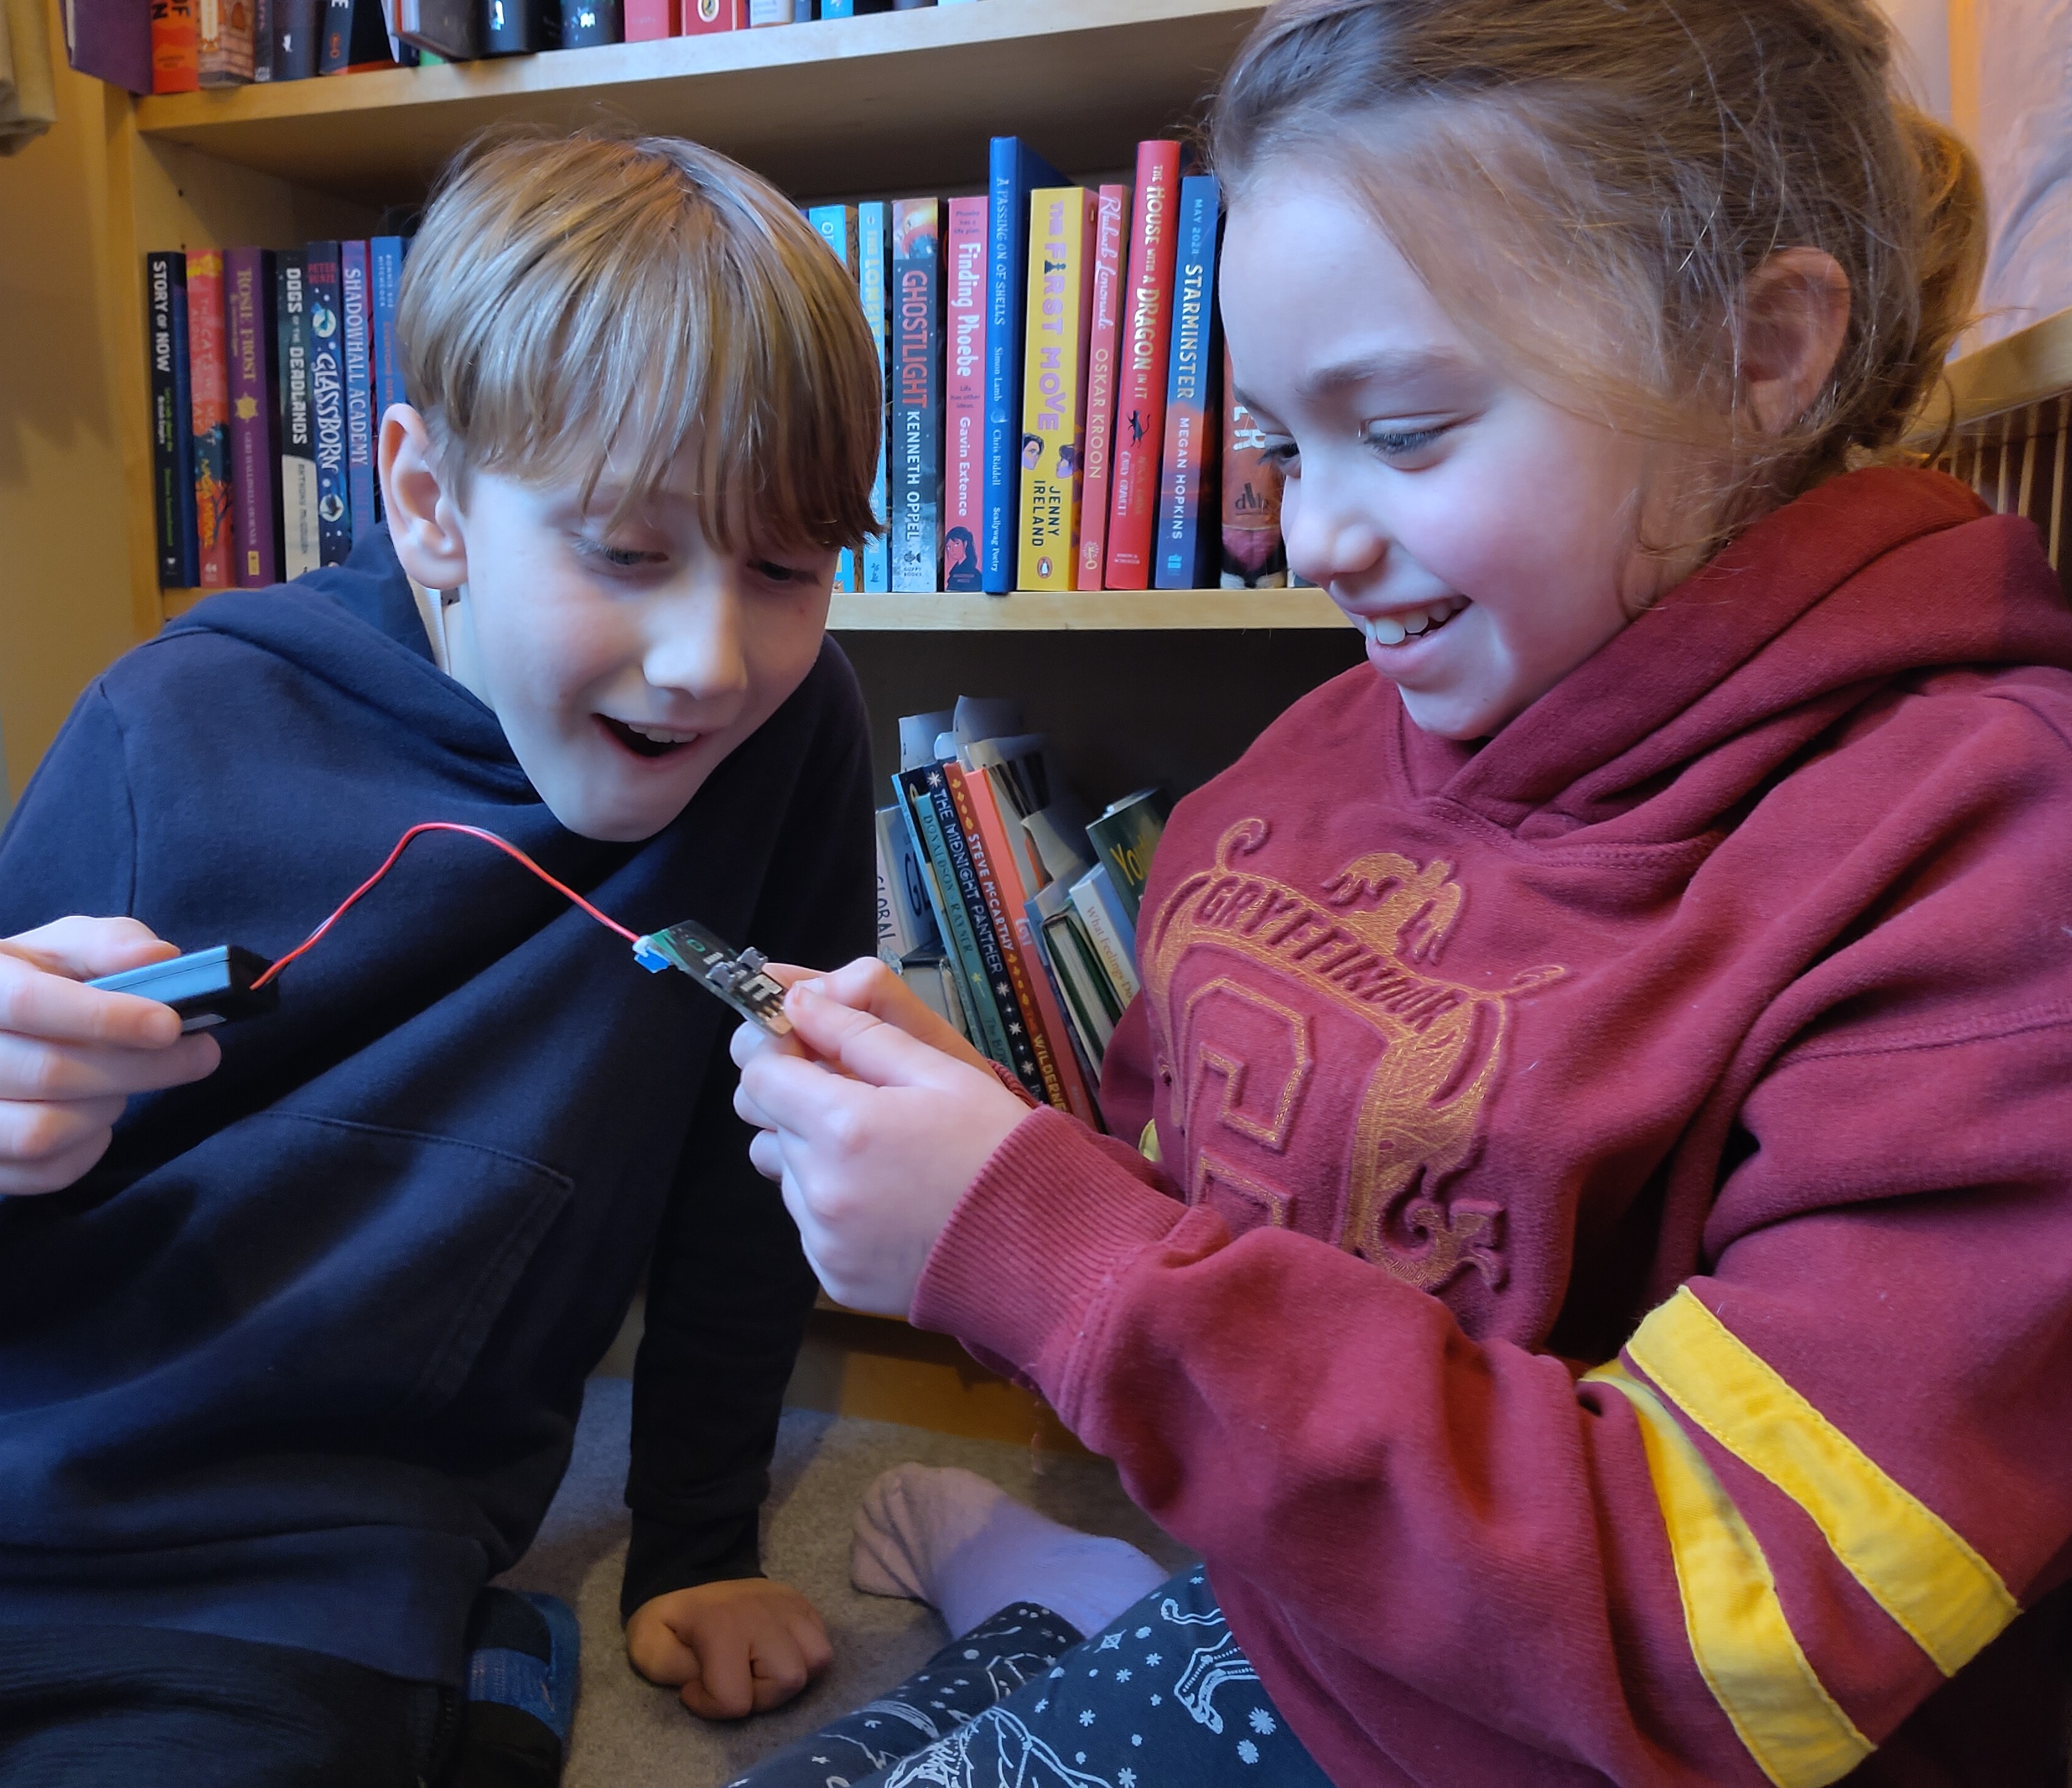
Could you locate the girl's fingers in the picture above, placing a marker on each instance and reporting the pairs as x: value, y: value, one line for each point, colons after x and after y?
x: 869, y: 985
x: 865, y: 1046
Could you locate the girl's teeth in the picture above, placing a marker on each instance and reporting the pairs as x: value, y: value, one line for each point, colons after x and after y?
x: 1385, y: 632
x: 1392, y: 630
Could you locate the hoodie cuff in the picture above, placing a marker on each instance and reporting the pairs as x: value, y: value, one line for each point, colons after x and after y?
x: 1053, y: 1220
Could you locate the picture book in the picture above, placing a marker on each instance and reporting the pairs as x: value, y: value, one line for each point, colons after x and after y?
x: 301, y: 544
x: 208, y: 379
x: 1254, y: 556
x: 1192, y: 426
x: 248, y: 315
x: 1014, y: 172
x: 1061, y: 226
x: 223, y: 43
x: 1124, y: 838
x: 836, y: 226
x: 1099, y: 428
x: 1146, y: 338
x: 963, y: 405
x: 327, y: 403
x: 358, y: 340
x: 915, y: 459
x: 873, y: 232
x: 172, y: 432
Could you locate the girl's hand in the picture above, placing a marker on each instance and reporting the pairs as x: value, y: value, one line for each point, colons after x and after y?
x: 869, y: 985
x: 70, y: 1056
x: 873, y: 1136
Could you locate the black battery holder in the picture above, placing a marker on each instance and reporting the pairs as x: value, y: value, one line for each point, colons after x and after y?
x: 205, y: 987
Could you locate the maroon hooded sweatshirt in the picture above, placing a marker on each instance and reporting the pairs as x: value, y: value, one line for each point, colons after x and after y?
x: 1597, y: 1283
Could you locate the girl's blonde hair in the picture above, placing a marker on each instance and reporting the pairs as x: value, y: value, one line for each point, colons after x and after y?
x: 577, y: 301
x: 1648, y: 153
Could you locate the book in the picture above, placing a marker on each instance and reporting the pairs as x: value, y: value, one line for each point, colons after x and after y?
x: 357, y: 337
x: 836, y: 225
x: 1125, y: 838
x: 384, y: 272
x: 1253, y: 557
x: 1014, y: 172
x: 262, y: 39
x: 520, y: 27
x: 1189, y: 416
x: 916, y: 790
x: 1100, y: 405
x: 1089, y: 996
x: 702, y: 16
x: 300, y: 540
x: 587, y: 23
x: 1108, y: 928
x: 647, y: 21
x: 905, y: 922
x: 110, y: 40
x: 297, y: 27
x: 448, y: 28
x: 873, y: 222
x: 914, y: 457
x: 327, y: 403
x: 934, y: 979
x: 770, y: 12
x: 1061, y: 223
x: 1140, y: 403
x: 172, y: 431
x: 175, y: 47
x: 208, y: 383
x: 222, y: 43
x: 356, y: 36
x: 247, y: 317
x: 963, y: 395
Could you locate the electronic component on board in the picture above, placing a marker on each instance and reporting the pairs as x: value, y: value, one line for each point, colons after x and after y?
x: 738, y: 976
x: 205, y: 987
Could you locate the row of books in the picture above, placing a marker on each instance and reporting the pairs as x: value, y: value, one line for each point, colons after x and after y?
x: 269, y: 374
x: 1005, y: 905
x: 181, y: 45
x: 1058, y: 415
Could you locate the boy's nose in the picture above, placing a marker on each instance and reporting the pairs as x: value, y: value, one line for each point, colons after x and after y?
x: 698, y: 647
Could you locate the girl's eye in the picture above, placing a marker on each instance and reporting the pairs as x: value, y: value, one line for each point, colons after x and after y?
x: 1283, y: 456
x: 1398, y: 443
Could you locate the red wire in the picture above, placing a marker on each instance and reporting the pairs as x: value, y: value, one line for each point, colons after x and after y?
x: 504, y: 845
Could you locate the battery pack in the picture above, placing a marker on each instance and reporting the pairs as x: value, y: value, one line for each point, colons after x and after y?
x: 205, y: 987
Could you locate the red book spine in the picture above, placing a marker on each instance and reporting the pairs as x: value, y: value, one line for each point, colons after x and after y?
x: 647, y: 20
x: 175, y: 47
x: 1100, y: 386
x: 1139, y: 395
x: 964, y: 436
x: 701, y: 16
x: 208, y: 385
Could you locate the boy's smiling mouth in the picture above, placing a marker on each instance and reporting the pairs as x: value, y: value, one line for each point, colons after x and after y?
x: 1413, y: 623
x: 647, y: 741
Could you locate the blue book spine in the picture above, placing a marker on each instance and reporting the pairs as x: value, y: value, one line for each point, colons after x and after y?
x: 327, y: 406
x: 1189, y: 419
x: 384, y: 257
x: 837, y: 9
x: 1015, y: 171
x: 835, y: 229
x: 917, y: 797
x: 871, y: 223
x: 359, y: 384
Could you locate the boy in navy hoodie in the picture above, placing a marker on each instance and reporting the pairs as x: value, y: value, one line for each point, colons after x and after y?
x: 289, y: 1367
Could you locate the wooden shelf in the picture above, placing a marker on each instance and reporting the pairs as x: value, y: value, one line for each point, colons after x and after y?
x: 2015, y: 371
x: 1102, y: 611
x: 836, y: 106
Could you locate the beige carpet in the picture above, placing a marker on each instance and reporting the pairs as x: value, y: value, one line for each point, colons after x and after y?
x: 630, y: 1734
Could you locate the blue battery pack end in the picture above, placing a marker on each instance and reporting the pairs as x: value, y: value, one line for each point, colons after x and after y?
x: 205, y: 987
x: 740, y: 978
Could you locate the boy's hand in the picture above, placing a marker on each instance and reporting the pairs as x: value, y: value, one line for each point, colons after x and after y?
x: 873, y: 1135
x: 729, y: 1649
x: 70, y: 1056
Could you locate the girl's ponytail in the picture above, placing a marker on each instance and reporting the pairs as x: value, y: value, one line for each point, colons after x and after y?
x: 1950, y: 200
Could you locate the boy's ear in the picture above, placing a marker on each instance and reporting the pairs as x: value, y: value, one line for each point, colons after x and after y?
x: 1794, y: 312
x: 424, y: 520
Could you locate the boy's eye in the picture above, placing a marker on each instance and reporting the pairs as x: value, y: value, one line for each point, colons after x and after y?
x: 612, y: 558
x: 1398, y: 443
x: 772, y: 571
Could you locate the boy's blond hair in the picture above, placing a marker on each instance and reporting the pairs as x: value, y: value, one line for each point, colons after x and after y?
x: 574, y: 302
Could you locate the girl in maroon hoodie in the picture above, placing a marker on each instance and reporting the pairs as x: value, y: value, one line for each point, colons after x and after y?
x: 1588, y: 1261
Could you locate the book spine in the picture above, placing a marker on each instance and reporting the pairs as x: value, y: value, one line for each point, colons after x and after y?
x: 384, y: 279
x: 209, y: 396
x: 1060, y: 289
x: 915, y: 459
x: 353, y: 310
x: 298, y: 26
x: 172, y: 477
x: 1139, y: 433
x: 335, y: 51
x: 871, y: 223
x: 301, y: 542
x: 262, y: 39
x: 110, y: 40
x: 247, y: 315
x: 1100, y: 405
x: 175, y: 47
x: 223, y: 43
x: 1026, y: 1032
x: 1254, y: 556
x: 647, y: 21
x: 1012, y: 173
x: 1125, y: 839
x: 1107, y: 931
x: 327, y: 405
x: 702, y: 16
x: 587, y: 23
x: 952, y: 913
x: 963, y: 428
x: 769, y: 12
x: 1188, y: 419
x: 836, y: 227
x: 1087, y: 994
x: 519, y: 27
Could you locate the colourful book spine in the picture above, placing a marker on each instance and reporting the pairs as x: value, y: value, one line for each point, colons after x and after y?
x: 1108, y: 929
x: 175, y: 47
x: 248, y: 315
x: 384, y: 279
x: 964, y: 425
x: 647, y: 21
x: 1125, y: 838
x: 327, y: 404
x: 951, y: 913
x: 1061, y: 271
x: 1013, y: 171
x: 1100, y: 405
x: 915, y: 459
x: 872, y: 225
x: 223, y: 43
x: 836, y: 225
x: 354, y: 312
x: 1254, y: 556
x: 301, y: 537
x: 1140, y: 430
x: 1189, y: 419
x: 172, y: 435
x: 587, y: 23
x: 208, y: 383
x: 702, y: 16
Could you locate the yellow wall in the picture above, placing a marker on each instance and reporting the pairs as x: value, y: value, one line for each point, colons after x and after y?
x: 65, y: 603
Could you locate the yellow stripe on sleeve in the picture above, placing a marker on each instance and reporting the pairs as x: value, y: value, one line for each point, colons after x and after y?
x: 1913, y: 1563
x: 1744, y: 1647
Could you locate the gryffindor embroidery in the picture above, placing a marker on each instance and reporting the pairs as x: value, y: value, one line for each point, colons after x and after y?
x: 1366, y: 946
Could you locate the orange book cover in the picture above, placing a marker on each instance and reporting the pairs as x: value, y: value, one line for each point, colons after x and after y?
x: 175, y: 47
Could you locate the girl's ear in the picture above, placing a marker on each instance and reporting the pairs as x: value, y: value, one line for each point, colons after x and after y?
x: 423, y: 521
x: 1794, y: 312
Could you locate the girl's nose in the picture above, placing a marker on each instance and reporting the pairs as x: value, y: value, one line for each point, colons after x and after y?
x: 1331, y: 538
